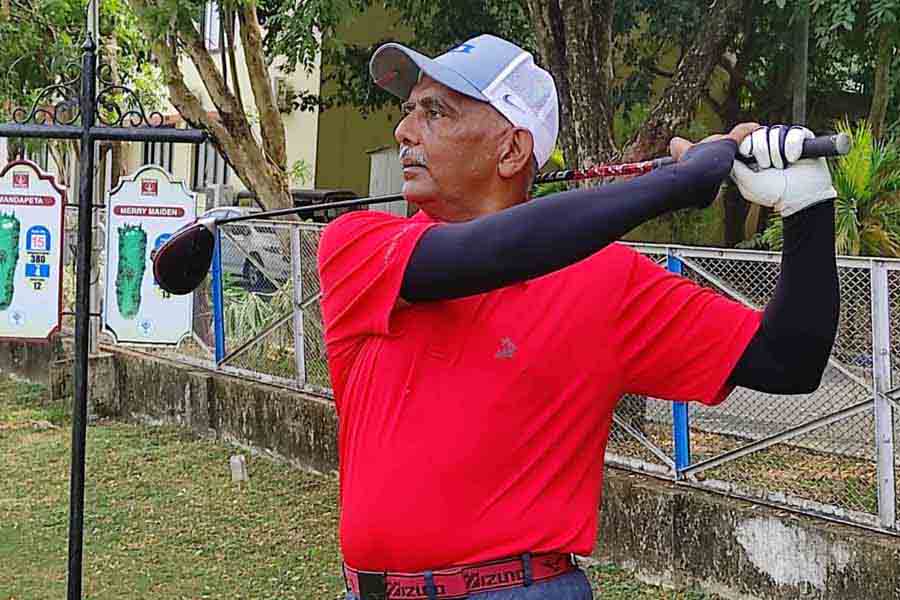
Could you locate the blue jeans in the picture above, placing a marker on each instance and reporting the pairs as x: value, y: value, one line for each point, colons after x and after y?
x: 571, y: 586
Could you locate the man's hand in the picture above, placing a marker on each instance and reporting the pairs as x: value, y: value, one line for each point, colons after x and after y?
x: 678, y: 146
x: 702, y: 167
x: 784, y: 181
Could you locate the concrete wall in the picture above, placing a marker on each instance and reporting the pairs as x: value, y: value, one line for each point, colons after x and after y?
x: 671, y: 534
x: 668, y: 534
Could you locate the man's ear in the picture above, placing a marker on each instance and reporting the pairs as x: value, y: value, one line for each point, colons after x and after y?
x: 517, y: 153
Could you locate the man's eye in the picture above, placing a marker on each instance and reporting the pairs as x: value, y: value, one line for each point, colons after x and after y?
x: 432, y: 113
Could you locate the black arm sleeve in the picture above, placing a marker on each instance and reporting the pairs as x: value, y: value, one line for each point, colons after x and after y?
x: 542, y: 236
x: 790, y: 350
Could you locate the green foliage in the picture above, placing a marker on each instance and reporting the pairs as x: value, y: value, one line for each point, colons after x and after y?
x: 868, y: 182
x: 435, y: 26
x: 834, y: 18
x: 296, y: 28
x: 301, y: 172
x: 247, y: 314
x: 847, y: 33
x: 867, y: 210
x: 643, y: 31
x: 43, y: 38
x: 555, y: 163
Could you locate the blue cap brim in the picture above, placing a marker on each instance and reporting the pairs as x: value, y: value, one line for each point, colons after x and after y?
x: 396, y: 68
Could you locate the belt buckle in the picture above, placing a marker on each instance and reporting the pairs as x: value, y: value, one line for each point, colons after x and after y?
x: 372, y: 586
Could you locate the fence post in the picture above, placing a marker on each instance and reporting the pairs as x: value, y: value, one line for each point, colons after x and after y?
x: 884, y: 419
x: 218, y: 299
x: 680, y: 418
x: 296, y: 268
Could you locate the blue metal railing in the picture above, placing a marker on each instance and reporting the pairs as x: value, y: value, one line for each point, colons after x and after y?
x: 218, y: 299
x: 680, y: 414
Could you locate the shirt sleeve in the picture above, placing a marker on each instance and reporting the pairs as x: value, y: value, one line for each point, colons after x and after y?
x: 676, y: 339
x: 362, y: 258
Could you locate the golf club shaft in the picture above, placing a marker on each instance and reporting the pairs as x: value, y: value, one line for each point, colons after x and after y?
x: 638, y: 168
x: 821, y: 146
x: 283, y: 212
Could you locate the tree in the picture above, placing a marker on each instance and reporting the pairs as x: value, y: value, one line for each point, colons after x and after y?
x: 867, y: 212
x: 173, y: 29
x: 42, y: 47
x: 580, y: 43
x: 870, y: 30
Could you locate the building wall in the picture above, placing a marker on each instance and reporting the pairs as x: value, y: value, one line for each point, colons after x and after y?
x: 346, y: 137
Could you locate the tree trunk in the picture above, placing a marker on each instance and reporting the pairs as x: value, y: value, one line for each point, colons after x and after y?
x: 59, y: 153
x: 575, y: 42
x: 271, y: 126
x: 735, y: 207
x: 678, y: 103
x: 15, y: 149
x: 735, y: 214
x: 257, y: 165
x: 232, y: 60
x: 882, y: 91
x: 801, y: 62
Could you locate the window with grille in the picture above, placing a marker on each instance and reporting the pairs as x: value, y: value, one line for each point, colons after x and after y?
x: 211, y: 26
x: 158, y: 153
x: 38, y: 152
x: 209, y: 167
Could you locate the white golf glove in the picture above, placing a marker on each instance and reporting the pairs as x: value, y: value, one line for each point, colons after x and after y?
x: 784, y: 181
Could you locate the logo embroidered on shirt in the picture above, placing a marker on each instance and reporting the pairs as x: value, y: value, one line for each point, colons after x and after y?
x: 507, y: 349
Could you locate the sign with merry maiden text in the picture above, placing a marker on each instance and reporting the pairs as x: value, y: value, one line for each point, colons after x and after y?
x: 142, y: 213
x: 31, y: 252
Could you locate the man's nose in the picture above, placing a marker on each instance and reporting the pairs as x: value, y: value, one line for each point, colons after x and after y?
x: 405, y: 133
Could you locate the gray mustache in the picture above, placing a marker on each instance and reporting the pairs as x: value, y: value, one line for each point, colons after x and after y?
x: 416, y: 156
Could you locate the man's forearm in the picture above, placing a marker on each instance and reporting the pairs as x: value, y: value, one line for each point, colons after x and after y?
x: 539, y: 237
x: 790, y: 351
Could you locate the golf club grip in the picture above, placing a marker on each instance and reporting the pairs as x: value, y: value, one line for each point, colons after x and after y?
x: 825, y: 146
x: 821, y: 146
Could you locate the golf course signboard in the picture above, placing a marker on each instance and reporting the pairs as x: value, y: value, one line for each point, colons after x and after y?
x: 31, y: 252
x: 142, y: 213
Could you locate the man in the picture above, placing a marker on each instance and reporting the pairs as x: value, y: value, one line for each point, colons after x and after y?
x: 477, y: 349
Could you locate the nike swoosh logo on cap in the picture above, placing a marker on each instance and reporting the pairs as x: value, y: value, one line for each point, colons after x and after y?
x: 509, y: 99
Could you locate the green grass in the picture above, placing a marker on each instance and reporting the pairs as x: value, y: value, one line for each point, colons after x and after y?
x: 163, y: 519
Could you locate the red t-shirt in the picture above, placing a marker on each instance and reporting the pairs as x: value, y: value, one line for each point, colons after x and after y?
x: 475, y: 429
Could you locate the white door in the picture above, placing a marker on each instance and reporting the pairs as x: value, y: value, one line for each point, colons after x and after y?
x: 386, y: 177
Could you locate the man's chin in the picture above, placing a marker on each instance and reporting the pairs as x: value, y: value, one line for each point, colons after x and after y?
x: 422, y: 198
x: 427, y: 203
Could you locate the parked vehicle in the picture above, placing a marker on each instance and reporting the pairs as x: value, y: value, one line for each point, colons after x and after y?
x: 252, y: 251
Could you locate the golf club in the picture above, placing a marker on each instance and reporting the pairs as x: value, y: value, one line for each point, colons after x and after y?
x: 181, y: 264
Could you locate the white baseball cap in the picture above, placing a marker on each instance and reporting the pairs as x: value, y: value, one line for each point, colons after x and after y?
x: 485, y: 68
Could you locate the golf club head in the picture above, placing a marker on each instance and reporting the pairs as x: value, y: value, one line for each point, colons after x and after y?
x: 180, y: 265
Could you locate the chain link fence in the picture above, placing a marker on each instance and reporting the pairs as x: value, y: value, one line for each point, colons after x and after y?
x: 828, y: 453
x: 816, y: 452
x: 269, y: 318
